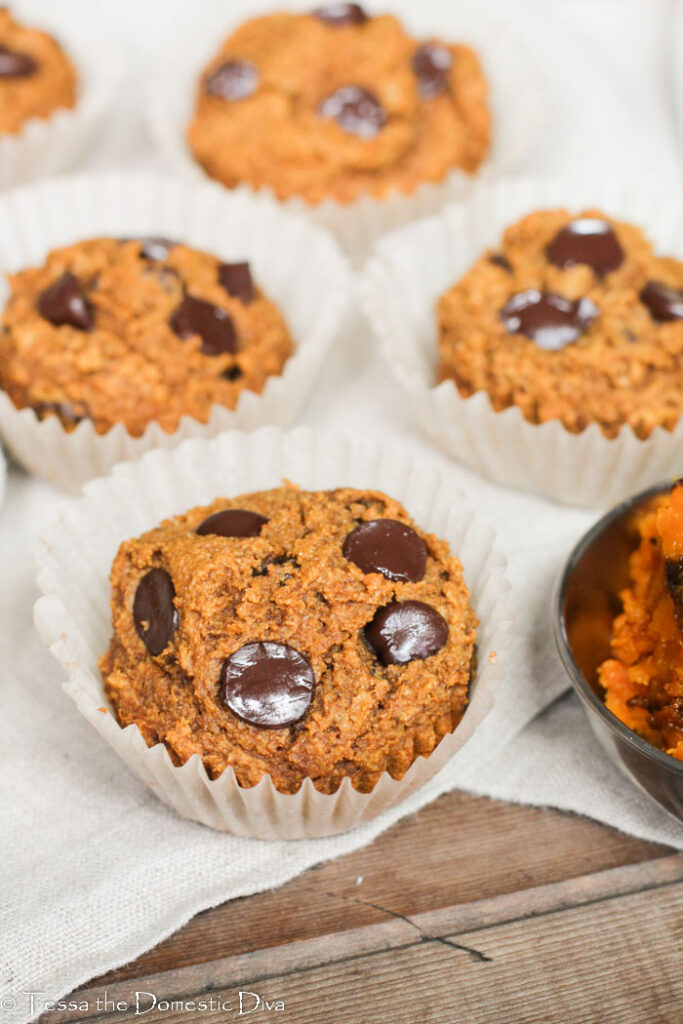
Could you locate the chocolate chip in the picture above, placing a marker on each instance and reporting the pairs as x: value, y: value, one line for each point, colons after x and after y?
x: 268, y: 684
x: 673, y: 571
x: 63, y: 410
x: 665, y: 303
x: 355, y: 110
x: 500, y: 260
x: 213, y: 325
x: 234, y: 80
x: 16, y: 65
x: 154, y: 612
x: 237, y: 281
x: 405, y: 631
x: 389, y: 547
x: 64, y: 302
x: 432, y: 64
x: 550, y: 320
x: 232, y: 522
x: 586, y: 240
x: 341, y: 14
x: 156, y: 248
x: 232, y: 373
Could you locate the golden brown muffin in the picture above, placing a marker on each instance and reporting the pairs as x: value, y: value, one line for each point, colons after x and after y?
x: 36, y: 76
x: 572, y: 318
x: 337, y: 104
x: 137, y: 331
x: 291, y: 633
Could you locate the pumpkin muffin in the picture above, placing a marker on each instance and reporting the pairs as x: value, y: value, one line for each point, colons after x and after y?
x: 293, y: 634
x: 572, y: 318
x: 643, y: 681
x: 335, y: 103
x: 136, y: 331
x: 36, y: 76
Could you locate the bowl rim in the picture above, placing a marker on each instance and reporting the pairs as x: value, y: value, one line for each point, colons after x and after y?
x: 580, y: 684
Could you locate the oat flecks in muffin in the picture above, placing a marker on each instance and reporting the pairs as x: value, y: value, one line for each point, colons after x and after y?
x: 572, y: 318
x: 338, y: 104
x: 36, y: 76
x: 255, y: 642
x: 137, y: 331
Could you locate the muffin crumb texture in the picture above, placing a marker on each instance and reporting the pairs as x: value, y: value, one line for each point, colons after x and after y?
x: 572, y: 318
x: 36, y: 76
x: 335, y: 103
x: 294, y: 634
x: 136, y: 331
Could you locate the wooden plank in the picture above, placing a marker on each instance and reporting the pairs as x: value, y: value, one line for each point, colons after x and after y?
x: 452, y: 926
x: 460, y: 849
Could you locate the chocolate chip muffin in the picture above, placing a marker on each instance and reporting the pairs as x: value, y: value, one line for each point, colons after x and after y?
x: 136, y: 331
x: 36, y: 76
x: 291, y: 633
x: 572, y: 318
x: 335, y: 103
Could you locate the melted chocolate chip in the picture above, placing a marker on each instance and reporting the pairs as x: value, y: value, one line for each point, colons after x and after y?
x: 213, y: 325
x: 154, y: 612
x: 432, y: 64
x: 389, y: 547
x: 232, y: 522
x: 64, y: 302
x: 500, y: 260
x: 586, y: 240
x: 234, y: 80
x: 550, y: 320
x: 268, y: 684
x: 404, y: 631
x: 341, y: 14
x: 16, y: 65
x: 664, y: 303
x: 355, y: 110
x: 237, y: 281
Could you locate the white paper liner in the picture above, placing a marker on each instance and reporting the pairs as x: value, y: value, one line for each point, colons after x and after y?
x: 298, y: 265
x: 402, y: 282
x: 46, y: 146
x: 74, y: 559
x: 517, y: 97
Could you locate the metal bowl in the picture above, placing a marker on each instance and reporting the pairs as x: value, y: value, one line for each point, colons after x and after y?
x: 585, y: 603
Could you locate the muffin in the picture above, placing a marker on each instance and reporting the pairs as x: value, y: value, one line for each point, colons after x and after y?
x: 335, y: 103
x: 571, y: 318
x: 36, y: 76
x: 290, y: 633
x: 136, y: 331
x: 643, y: 680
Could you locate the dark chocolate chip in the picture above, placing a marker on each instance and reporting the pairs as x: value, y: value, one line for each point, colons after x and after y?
x: 213, y: 325
x: 234, y: 80
x: 586, y: 240
x: 232, y: 522
x: 268, y: 684
x: 500, y: 260
x: 550, y: 320
x: 64, y: 302
x: 63, y: 410
x: 355, y: 110
x: 341, y: 14
x: 16, y: 65
x: 405, y: 631
x: 232, y: 373
x: 673, y: 571
x: 154, y: 612
x: 237, y: 281
x: 432, y: 64
x: 664, y: 303
x: 389, y: 547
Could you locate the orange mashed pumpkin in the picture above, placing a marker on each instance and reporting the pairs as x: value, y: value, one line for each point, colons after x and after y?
x: 643, y: 681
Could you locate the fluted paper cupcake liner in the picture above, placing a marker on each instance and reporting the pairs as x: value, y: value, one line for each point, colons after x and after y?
x: 517, y: 101
x: 74, y: 559
x: 411, y: 268
x: 298, y: 265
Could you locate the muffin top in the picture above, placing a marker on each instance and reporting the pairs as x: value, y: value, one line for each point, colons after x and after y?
x: 136, y: 331
x: 291, y: 633
x: 36, y: 76
x: 574, y: 318
x: 335, y: 103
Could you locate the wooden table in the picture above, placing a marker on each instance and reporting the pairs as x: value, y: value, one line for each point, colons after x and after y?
x: 470, y: 911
